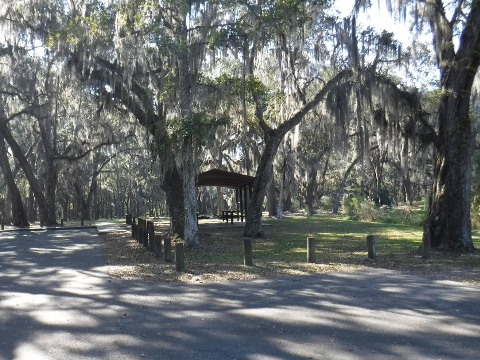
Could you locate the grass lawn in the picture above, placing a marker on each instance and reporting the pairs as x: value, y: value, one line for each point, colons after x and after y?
x: 341, y: 246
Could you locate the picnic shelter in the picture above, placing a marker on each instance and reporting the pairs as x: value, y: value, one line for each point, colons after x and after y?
x: 242, y: 184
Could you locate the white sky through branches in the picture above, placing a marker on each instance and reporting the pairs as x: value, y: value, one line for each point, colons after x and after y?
x: 378, y: 18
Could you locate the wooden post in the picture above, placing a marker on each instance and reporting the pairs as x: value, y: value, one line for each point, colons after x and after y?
x: 311, y: 247
x: 246, y: 197
x: 146, y: 242
x: 151, y: 237
x: 167, y: 242
x: 134, y: 228
x: 372, y: 251
x: 179, y: 257
x: 145, y: 234
x: 140, y: 230
x: 157, y: 242
x: 247, y: 252
x: 240, y: 203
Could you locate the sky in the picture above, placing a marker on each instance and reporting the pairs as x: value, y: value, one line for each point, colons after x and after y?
x: 377, y: 17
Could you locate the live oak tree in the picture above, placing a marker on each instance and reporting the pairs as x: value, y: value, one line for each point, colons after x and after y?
x: 352, y: 93
x: 300, y: 85
x: 455, y: 29
x: 18, y: 210
x: 314, y: 151
x: 162, y: 87
x: 23, y: 98
x: 19, y: 214
x: 37, y: 106
x: 279, y: 23
x: 449, y: 223
x: 147, y: 57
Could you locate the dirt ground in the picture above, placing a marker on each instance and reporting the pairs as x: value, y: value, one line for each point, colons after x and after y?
x: 127, y: 259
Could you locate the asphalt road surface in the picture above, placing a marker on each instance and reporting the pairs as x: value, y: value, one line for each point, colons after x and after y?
x: 57, y: 302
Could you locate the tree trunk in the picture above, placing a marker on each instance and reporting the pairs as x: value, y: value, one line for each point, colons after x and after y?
x: 281, y: 190
x: 84, y: 204
x: 341, y: 186
x: 183, y: 219
x: 272, y: 195
x: 190, y: 232
x: 174, y: 194
x: 50, y: 174
x: 311, y: 186
x: 321, y: 188
x: 260, y: 186
x: 19, y: 215
x: 187, y: 169
x: 448, y: 222
x: 449, y: 214
x: 46, y: 209
x: 407, y: 188
x: 84, y: 208
x: 376, y: 163
x: 273, y: 138
x: 31, y: 208
x: 405, y: 171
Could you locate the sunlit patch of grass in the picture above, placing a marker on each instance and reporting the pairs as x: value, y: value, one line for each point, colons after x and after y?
x: 340, y: 246
x: 476, y: 239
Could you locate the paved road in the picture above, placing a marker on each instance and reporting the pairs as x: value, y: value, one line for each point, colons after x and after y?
x: 56, y: 302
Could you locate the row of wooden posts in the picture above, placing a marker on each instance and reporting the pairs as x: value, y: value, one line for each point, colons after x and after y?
x: 311, y: 249
x: 144, y: 232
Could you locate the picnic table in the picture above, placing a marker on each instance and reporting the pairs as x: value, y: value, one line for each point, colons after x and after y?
x: 230, y: 215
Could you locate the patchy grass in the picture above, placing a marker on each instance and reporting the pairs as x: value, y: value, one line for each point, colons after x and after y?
x: 341, y: 246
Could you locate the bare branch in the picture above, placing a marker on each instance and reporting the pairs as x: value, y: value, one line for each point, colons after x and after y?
x: 457, y: 12
x: 71, y: 158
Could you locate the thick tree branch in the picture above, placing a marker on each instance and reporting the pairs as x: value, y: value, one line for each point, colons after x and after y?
x: 469, y: 48
x: 88, y: 151
x: 457, y: 12
x: 442, y: 33
x: 131, y: 95
x: 296, y: 118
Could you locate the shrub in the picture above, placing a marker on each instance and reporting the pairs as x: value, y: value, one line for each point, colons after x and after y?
x: 348, y: 208
x: 326, y: 203
x: 358, y: 208
x: 368, y: 211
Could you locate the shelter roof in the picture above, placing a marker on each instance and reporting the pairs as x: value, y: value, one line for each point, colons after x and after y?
x: 223, y: 178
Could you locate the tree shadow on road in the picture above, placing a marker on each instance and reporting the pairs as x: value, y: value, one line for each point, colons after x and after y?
x: 58, y: 302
